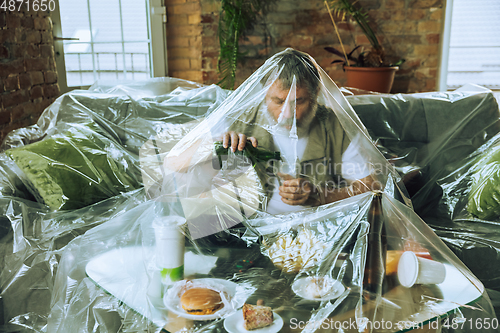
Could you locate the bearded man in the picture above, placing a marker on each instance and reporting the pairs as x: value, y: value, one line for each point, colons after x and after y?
x: 281, y: 107
x: 326, y: 166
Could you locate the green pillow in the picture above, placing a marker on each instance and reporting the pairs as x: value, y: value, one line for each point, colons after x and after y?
x: 75, y: 169
x: 484, y: 196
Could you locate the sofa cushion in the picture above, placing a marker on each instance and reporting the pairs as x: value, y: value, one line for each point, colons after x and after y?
x: 76, y: 168
x: 484, y: 196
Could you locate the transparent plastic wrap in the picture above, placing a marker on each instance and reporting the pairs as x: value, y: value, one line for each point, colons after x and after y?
x: 285, y: 140
x: 320, y: 269
x: 426, y: 134
x: 76, y: 168
x: 32, y: 252
x: 444, y: 145
x: 330, y: 254
x: 371, y: 262
x: 85, y: 146
x: 467, y: 215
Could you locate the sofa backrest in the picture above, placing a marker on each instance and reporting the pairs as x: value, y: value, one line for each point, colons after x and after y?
x: 429, y: 130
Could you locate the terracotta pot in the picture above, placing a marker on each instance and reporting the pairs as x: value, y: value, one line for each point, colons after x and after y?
x: 377, y: 79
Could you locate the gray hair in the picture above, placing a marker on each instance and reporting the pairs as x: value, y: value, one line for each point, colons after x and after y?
x: 293, y: 63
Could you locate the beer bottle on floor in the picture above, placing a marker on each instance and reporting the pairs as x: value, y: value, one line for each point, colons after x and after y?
x: 376, y: 252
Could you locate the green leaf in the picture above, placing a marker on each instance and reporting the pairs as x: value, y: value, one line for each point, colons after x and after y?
x: 236, y: 19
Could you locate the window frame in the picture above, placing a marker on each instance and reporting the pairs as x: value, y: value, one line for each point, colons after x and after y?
x: 445, y: 49
x: 156, y: 18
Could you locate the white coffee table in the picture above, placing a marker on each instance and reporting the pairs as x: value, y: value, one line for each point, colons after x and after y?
x: 128, y: 273
x: 125, y: 272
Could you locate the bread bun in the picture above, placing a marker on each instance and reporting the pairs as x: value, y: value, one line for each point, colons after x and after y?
x: 201, y: 301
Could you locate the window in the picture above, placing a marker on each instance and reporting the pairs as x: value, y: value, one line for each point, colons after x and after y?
x: 108, y: 40
x: 471, y: 44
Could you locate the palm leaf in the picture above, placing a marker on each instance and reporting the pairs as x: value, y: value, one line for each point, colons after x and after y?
x: 237, y: 17
x: 345, y: 7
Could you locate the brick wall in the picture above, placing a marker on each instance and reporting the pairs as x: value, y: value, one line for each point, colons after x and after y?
x: 28, y: 78
x: 407, y: 28
x: 184, y: 33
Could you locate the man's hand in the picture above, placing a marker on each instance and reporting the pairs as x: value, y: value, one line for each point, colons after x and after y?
x: 357, y: 187
x: 295, y: 191
x: 238, y: 140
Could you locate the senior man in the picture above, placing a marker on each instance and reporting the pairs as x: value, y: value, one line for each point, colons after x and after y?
x: 282, y: 107
x: 326, y: 166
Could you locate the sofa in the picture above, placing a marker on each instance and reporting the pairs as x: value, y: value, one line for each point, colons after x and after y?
x: 427, y: 136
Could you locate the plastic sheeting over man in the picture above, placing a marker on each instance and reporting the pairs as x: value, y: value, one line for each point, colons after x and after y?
x: 95, y: 269
x: 285, y: 140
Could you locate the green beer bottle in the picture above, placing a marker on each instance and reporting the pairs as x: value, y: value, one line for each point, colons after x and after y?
x: 256, y: 155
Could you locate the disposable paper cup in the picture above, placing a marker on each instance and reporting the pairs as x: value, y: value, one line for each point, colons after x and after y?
x: 416, y: 270
x: 170, y: 247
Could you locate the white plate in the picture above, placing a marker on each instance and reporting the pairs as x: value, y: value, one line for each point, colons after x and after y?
x: 173, y: 304
x: 300, y: 285
x: 234, y: 324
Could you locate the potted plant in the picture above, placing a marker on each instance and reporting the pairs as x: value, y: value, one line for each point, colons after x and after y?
x: 369, y: 70
x: 236, y: 19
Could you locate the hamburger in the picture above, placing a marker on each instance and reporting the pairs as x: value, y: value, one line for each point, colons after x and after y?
x: 201, y: 301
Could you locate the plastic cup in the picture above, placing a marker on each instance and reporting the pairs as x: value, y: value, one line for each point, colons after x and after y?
x: 169, y: 247
x: 285, y: 172
x: 416, y: 270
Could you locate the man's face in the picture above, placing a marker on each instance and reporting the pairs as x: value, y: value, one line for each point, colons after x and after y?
x: 298, y: 105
